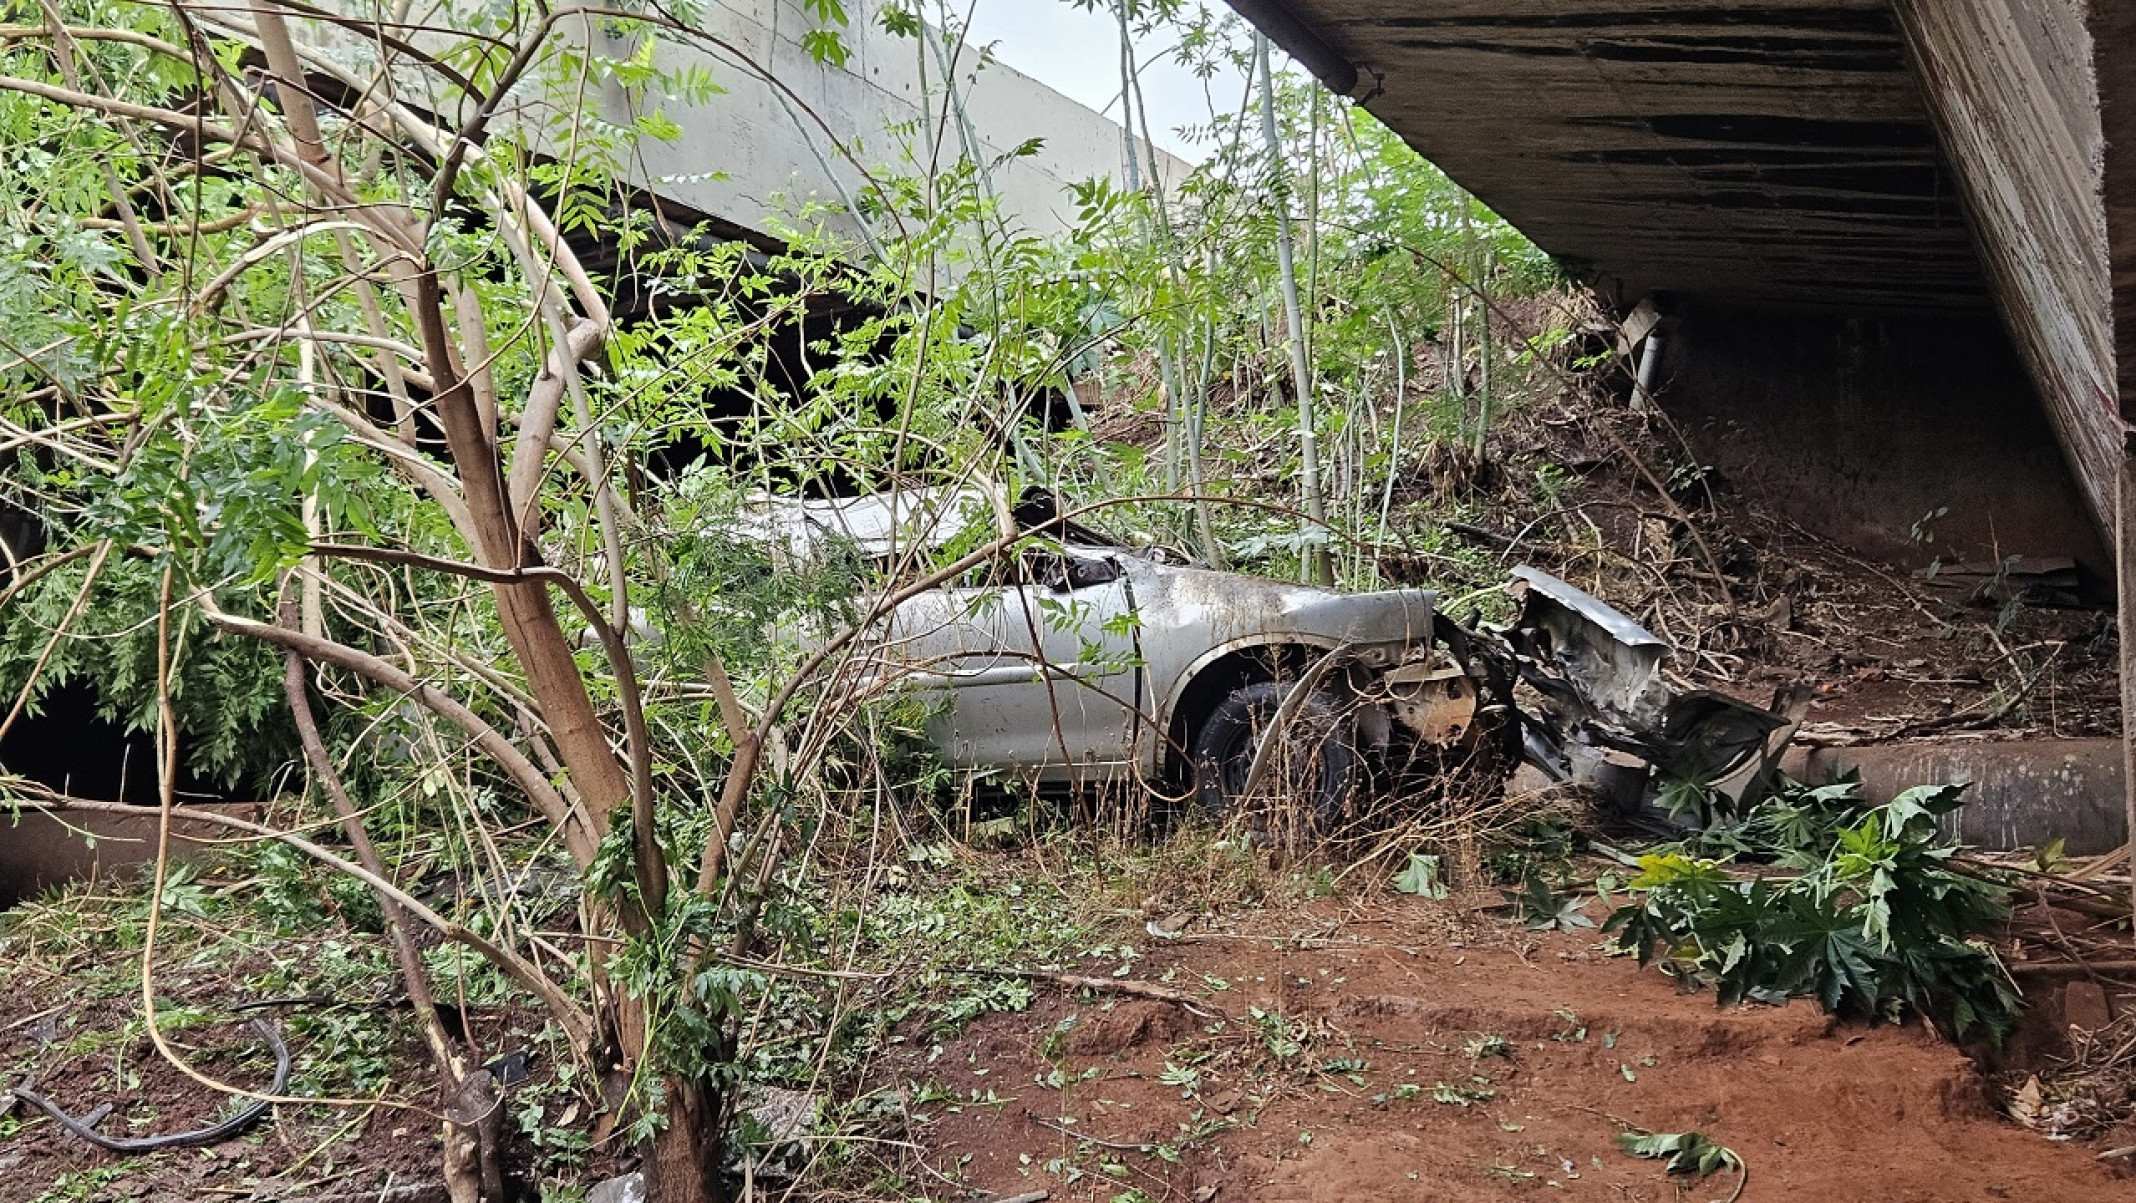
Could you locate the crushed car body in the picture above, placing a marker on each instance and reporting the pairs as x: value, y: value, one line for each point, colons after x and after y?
x: 1079, y: 660
x: 1606, y: 716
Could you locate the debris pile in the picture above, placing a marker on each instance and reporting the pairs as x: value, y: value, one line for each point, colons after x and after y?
x: 2089, y: 1094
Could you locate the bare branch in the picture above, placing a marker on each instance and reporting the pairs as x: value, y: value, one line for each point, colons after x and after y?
x: 579, y: 835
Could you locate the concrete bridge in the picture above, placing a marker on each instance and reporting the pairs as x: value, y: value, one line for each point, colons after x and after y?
x: 751, y: 155
x: 1895, y: 240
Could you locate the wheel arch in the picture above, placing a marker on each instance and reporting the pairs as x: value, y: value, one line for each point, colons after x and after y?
x: 1217, y: 672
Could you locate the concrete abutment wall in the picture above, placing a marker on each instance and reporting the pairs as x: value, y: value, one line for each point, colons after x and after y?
x: 2015, y: 96
x: 1910, y: 438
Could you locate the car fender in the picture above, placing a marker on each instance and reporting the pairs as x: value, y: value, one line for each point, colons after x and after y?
x: 1243, y: 643
x: 1174, y: 692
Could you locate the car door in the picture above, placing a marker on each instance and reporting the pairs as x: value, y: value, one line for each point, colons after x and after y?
x: 1035, y: 671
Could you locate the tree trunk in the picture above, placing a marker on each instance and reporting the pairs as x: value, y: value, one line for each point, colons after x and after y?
x: 1401, y: 394
x: 682, y: 1166
x: 1168, y: 365
x: 1318, y: 567
x: 1479, y: 269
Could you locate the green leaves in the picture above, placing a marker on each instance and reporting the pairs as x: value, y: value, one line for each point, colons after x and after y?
x: 899, y: 21
x: 1463, y: 1094
x: 1544, y: 909
x: 1689, y: 1153
x: 1421, y: 877
x: 826, y: 47
x: 1918, y: 808
x: 1875, y: 921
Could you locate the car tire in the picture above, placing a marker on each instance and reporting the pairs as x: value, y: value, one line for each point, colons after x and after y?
x: 1225, y: 745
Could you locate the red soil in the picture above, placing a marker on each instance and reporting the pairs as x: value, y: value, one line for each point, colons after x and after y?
x: 1819, y: 1111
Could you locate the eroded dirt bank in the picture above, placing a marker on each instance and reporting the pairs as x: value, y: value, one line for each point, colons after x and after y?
x: 1413, y: 1050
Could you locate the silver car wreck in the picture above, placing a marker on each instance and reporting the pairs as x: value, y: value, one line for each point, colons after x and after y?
x: 1078, y: 660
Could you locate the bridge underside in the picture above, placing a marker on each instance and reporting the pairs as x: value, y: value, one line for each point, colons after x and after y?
x: 1824, y: 189
x: 1878, y: 158
x: 1773, y: 152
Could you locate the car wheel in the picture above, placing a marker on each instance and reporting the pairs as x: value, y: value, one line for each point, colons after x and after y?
x: 1317, y: 769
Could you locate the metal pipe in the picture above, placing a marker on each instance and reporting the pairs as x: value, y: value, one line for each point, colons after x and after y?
x: 1274, y: 18
x: 1649, y: 368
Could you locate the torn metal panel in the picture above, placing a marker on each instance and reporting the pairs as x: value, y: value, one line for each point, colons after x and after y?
x: 1610, y: 662
x: 1606, y: 711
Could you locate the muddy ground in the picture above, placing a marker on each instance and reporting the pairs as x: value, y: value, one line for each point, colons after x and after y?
x: 1424, y: 1053
x: 83, y: 1053
x: 1370, y: 1046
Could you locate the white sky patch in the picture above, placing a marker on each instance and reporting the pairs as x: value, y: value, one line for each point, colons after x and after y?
x: 1077, y: 53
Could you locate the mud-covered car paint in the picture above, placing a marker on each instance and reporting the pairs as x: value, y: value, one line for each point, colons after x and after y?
x: 1079, y: 682
x: 1070, y: 661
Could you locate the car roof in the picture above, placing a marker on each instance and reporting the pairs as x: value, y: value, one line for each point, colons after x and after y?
x: 878, y: 524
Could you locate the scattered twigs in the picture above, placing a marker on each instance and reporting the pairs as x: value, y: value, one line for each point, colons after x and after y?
x: 1970, y: 716
x: 2052, y: 889
x: 1102, y: 985
x: 1124, y: 1146
x: 2077, y: 968
x: 2100, y: 865
x: 2088, y: 1093
x: 296, y: 684
x: 2055, y: 880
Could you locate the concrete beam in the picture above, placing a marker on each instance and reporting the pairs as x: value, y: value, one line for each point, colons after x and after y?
x: 754, y: 156
x: 2113, y: 28
x: 2015, y: 93
x: 1745, y: 150
x: 1826, y: 155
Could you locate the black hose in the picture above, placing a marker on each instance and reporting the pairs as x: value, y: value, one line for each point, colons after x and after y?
x: 212, y: 1134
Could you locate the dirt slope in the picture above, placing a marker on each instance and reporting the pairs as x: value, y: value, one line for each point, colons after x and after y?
x: 1398, y: 1090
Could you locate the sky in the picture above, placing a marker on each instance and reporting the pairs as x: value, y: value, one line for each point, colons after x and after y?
x: 1077, y: 53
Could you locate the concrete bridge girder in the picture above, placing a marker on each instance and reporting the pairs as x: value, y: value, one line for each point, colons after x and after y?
x: 753, y: 155
x: 1836, y: 156
x: 1851, y: 158
x: 2015, y: 91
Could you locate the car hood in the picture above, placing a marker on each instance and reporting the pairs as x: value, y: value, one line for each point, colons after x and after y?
x: 1231, y: 606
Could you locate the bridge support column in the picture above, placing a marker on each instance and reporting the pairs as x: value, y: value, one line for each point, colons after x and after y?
x: 2125, y: 582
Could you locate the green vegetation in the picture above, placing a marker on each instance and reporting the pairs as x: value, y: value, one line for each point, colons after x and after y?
x: 1688, y: 1154
x: 1855, y: 905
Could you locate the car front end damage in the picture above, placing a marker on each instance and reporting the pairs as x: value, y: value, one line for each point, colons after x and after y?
x: 1571, y: 686
x: 1584, y: 686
